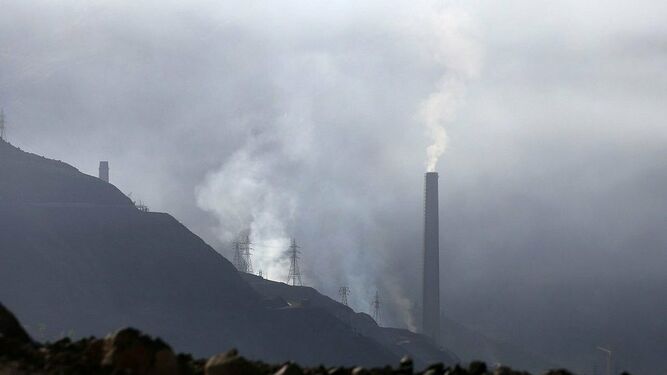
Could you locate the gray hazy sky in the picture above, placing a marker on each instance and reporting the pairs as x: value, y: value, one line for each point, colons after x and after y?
x: 307, y: 119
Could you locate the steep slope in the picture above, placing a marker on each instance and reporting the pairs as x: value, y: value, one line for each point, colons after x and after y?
x: 463, y: 344
x: 398, y: 341
x: 78, y: 257
x: 60, y: 259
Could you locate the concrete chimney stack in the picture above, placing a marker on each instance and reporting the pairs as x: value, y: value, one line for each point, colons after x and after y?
x: 431, y: 271
x: 104, y: 171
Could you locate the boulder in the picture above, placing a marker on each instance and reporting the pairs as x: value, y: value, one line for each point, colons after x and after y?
x: 477, y: 368
x: 360, y: 371
x: 502, y: 370
x: 230, y: 363
x: 10, y: 328
x: 129, y: 349
x: 436, y: 368
x: 406, y: 366
x: 558, y: 372
x: 290, y: 369
x: 18, y: 353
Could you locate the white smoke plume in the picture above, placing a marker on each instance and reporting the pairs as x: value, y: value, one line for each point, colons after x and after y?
x: 243, y: 199
x: 456, y: 50
x: 248, y: 194
x: 328, y: 114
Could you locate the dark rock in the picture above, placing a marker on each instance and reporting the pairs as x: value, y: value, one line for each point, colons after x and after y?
x: 477, y: 368
x: 321, y: 370
x: 457, y: 370
x: 230, y: 364
x: 18, y: 353
x: 406, y: 366
x: 502, y: 370
x: 436, y: 368
x: 10, y: 328
x: 360, y: 371
x: 11, y: 369
x: 558, y: 372
x: 188, y: 365
x: 80, y: 357
x: 128, y: 349
x: 290, y: 369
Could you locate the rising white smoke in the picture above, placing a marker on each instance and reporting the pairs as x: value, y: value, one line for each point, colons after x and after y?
x: 242, y: 198
x: 454, y: 47
x: 247, y: 193
x: 332, y: 98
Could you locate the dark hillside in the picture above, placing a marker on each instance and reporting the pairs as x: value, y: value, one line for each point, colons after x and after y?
x: 92, y: 268
x: 30, y: 178
x: 466, y: 344
x: 79, y: 259
x: 399, y: 341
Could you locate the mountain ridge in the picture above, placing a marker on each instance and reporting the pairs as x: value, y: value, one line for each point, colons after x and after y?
x: 83, y: 259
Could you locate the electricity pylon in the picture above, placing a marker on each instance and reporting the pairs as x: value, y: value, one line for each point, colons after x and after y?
x: 242, y: 254
x: 375, y: 306
x: 343, y: 292
x: 294, y: 277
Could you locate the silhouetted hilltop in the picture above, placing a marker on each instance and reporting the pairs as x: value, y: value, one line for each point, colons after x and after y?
x: 30, y: 178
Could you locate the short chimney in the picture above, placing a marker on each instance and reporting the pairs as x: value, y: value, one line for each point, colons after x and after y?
x: 104, y: 171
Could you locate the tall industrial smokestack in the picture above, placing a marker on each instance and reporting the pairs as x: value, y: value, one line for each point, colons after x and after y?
x: 431, y: 271
x: 104, y: 171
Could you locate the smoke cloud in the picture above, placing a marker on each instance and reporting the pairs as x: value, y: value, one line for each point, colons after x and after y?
x: 249, y: 190
x: 455, y: 48
x: 240, y: 195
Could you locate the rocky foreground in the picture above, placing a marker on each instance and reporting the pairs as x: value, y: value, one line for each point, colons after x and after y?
x: 129, y: 351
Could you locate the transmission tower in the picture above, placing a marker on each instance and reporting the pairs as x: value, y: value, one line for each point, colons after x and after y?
x: 2, y: 125
x: 294, y: 277
x: 375, y: 307
x: 343, y: 292
x: 245, y: 250
x: 239, y: 262
x: 242, y: 254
